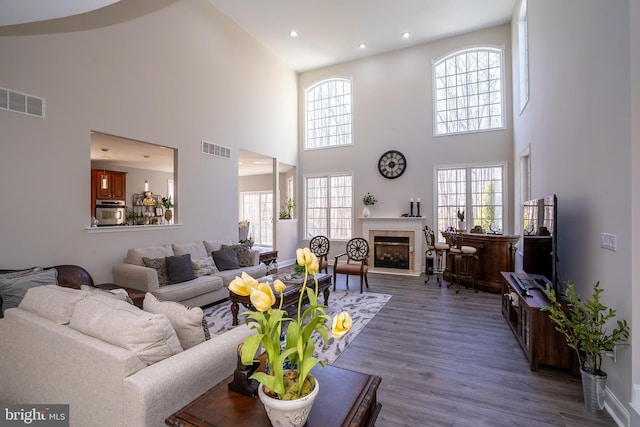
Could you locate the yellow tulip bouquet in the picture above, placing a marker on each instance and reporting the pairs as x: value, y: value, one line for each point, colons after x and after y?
x: 300, y: 344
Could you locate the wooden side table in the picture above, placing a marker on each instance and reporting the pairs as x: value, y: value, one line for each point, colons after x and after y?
x: 346, y: 398
x: 136, y: 295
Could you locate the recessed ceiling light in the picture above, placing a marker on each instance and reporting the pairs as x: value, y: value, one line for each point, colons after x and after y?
x: 293, y: 33
x: 362, y: 45
x: 406, y: 35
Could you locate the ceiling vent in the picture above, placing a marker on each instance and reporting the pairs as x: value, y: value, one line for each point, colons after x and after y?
x: 216, y: 150
x: 23, y: 103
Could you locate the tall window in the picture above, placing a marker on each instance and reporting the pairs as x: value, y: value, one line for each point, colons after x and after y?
x: 468, y: 91
x: 328, y: 114
x: 257, y: 208
x: 478, y: 191
x: 329, y: 206
x: 523, y: 54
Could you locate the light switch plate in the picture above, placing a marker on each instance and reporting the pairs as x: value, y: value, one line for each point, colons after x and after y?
x: 608, y: 241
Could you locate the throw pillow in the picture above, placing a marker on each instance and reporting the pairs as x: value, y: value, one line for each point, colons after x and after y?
x: 52, y: 302
x: 226, y: 259
x: 160, y: 267
x: 13, y: 289
x: 150, y: 336
x: 187, y: 322
x: 243, y: 252
x: 203, y: 266
x: 179, y: 268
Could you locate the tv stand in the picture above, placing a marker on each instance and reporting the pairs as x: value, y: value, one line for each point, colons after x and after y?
x: 535, y: 332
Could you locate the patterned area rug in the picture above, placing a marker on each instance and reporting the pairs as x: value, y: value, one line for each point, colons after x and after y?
x: 361, y: 307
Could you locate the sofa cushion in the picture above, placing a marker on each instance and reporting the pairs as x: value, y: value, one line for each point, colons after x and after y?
x: 159, y: 265
x: 203, y: 266
x: 213, y: 245
x: 179, y: 268
x: 186, y: 321
x: 226, y: 259
x: 120, y: 294
x: 243, y: 252
x: 13, y: 289
x: 52, y: 302
x: 134, y: 256
x: 196, y: 250
x: 150, y: 336
x: 255, y: 271
x: 189, y: 290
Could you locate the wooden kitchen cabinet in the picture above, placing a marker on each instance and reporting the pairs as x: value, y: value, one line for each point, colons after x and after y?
x: 116, y: 188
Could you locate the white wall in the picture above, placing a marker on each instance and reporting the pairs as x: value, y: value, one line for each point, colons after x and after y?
x: 170, y: 72
x: 393, y: 109
x: 577, y: 124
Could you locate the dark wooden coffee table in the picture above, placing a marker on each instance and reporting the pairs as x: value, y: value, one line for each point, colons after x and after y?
x: 346, y: 398
x: 290, y: 296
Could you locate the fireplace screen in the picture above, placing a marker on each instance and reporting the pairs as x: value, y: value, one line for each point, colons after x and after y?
x: 391, y: 252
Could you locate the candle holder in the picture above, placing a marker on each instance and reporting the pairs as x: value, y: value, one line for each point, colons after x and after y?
x: 418, y: 206
x: 410, y: 208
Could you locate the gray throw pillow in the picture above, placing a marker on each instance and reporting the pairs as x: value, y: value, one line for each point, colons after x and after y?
x: 242, y: 251
x: 203, y: 266
x: 179, y: 268
x: 225, y: 259
x: 160, y: 267
x: 13, y: 289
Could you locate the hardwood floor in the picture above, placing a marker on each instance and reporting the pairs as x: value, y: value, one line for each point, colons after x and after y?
x: 450, y: 359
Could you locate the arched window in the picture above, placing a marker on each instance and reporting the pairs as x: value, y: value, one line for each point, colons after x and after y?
x: 328, y: 114
x: 468, y: 91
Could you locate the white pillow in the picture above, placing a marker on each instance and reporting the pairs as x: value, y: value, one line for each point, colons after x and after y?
x: 150, y: 336
x: 52, y: 302
x: 187, y: 322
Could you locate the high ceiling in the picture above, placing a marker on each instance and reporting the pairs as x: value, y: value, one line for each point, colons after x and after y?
x: 330, y: 31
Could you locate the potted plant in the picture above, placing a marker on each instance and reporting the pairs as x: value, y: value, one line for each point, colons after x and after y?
x: 368, y: 200
x: 296, y: 386
x: 583, y: 323
x: 462, y: 225
x: 168, y: 204
x: 286, y: 211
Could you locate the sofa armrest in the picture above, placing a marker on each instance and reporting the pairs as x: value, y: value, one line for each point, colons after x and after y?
x: 154, y: 393
x: 255, y: 256
x: 135, y: 277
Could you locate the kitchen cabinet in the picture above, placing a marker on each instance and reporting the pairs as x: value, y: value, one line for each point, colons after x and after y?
x: 116, y: 186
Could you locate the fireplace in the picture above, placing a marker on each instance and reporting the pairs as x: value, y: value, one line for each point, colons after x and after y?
x: 391, y: 252
x: 396, y: 244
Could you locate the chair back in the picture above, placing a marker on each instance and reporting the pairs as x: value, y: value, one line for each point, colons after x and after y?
x: 429, y: 236
x: 319, y: 245
x: 358, y: 250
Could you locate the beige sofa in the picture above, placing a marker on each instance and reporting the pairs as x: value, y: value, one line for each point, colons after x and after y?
x: 198, y: 292
x: 58, y: 349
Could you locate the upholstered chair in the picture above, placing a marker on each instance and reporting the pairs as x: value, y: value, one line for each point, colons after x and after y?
x: 354, y: 262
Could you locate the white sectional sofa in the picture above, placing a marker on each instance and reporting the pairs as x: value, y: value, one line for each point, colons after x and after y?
x: 66, y: 346
x: 198, y: 292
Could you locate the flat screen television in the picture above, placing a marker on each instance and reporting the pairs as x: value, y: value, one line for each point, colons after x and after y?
x: 540, y: 241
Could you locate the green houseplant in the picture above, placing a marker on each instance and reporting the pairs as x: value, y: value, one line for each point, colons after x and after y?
x: 286, y: 211
x: 583, y: 323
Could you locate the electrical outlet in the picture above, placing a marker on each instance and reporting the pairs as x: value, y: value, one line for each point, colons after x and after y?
x: 608, y: 241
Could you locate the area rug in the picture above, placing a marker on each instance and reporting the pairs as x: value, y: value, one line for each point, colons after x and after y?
x: 361, y: 307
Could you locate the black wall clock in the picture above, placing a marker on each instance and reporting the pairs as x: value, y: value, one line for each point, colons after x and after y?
x: 392, y: 164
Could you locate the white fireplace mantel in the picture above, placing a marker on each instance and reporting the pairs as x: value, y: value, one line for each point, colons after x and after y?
x: 415, y: 225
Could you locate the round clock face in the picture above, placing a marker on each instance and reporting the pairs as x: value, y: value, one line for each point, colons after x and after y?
x: 392, y: 164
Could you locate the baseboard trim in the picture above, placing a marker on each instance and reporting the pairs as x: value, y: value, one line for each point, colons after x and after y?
x: 616, y: 409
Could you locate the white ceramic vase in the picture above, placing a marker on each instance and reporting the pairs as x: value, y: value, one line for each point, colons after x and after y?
x: 462, y: 225
x: 288, y: 413
x: 366, y: 212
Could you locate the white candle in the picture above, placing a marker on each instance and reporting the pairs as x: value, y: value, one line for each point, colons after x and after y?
x: 411, y: 199
x: 418, y: 199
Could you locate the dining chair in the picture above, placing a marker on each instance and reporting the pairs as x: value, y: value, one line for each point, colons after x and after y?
x: 319, y: 245
x: 356, y: 264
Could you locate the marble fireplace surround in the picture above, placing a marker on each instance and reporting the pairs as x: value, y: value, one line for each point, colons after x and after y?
x: 397, y: 227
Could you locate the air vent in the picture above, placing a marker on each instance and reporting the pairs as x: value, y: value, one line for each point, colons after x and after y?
x: 216, y: 150
x: 23, y: 103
